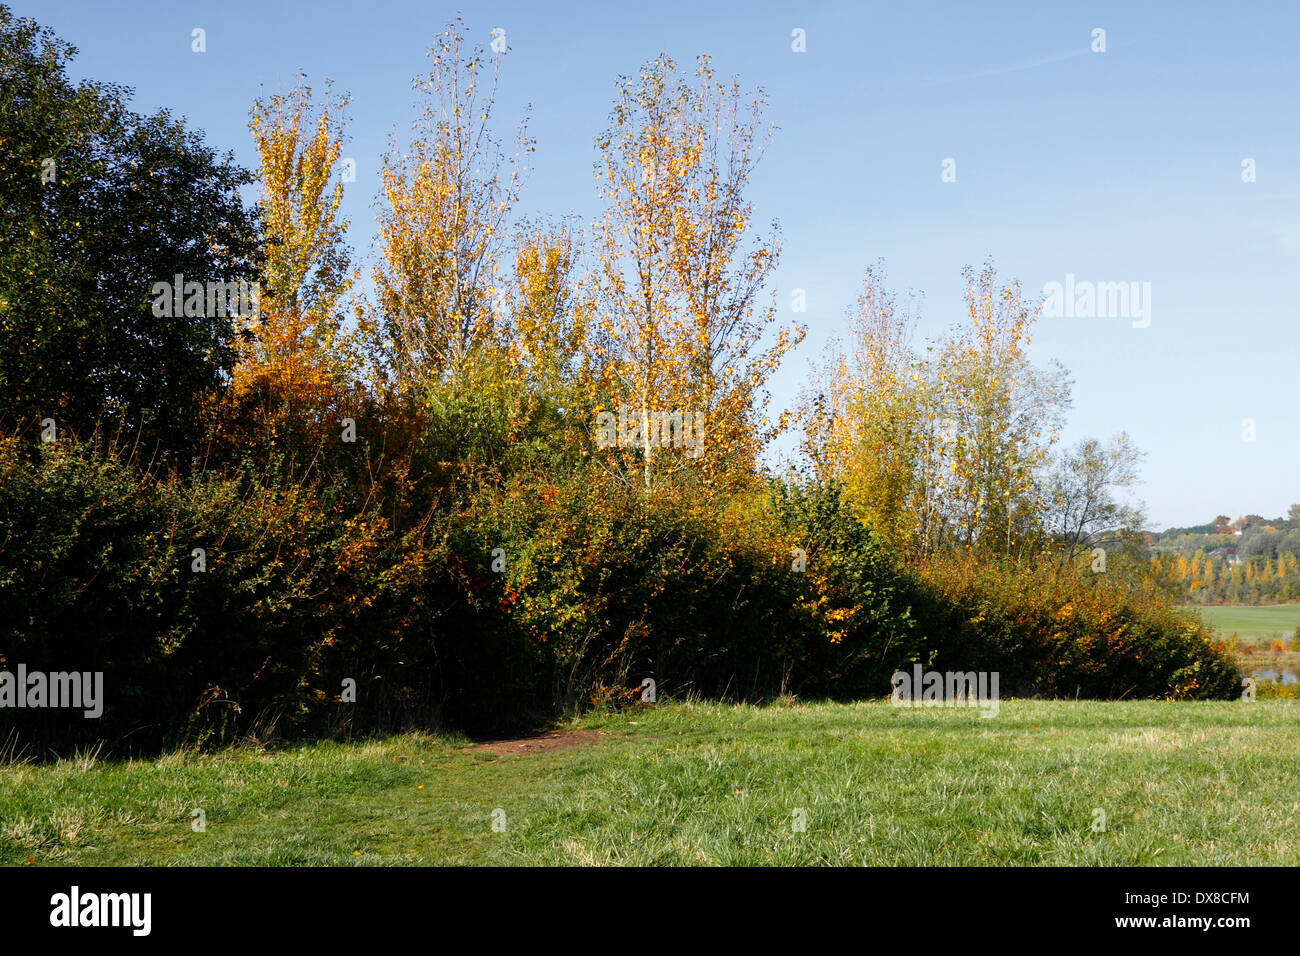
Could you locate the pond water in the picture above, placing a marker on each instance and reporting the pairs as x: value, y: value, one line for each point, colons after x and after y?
x: 1288, y: 676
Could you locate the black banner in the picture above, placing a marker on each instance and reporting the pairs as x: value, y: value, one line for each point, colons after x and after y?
x: 908, y: 907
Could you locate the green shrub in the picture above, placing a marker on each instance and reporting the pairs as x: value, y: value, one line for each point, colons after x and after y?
x: 1067, y: 633
x: 314, y: 581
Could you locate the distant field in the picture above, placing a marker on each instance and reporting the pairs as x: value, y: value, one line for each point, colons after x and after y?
x: 1278, y: 620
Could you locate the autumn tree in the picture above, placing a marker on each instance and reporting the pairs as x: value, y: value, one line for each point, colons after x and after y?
x: 871, y: 420
x: 551, y: 308
x: 445, y: 204
x: 296, y: 350
x: 945, y: 446
x: 681, y: 318
x: 1005, y: 414
x: 544, y: 370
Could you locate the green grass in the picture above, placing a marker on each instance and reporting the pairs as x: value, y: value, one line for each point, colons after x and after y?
x: 1264, y: 622
x: 1180, y: 783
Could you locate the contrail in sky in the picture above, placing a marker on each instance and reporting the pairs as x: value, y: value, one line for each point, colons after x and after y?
x: 1028, y: 65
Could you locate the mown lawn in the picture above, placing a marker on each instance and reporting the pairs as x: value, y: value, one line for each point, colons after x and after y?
x: 696, y: 783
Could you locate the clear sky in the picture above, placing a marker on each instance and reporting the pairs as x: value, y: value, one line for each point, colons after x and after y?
x: 1122, y: 166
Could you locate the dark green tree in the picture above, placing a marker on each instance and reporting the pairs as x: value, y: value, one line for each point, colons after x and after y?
x: 98, y: 203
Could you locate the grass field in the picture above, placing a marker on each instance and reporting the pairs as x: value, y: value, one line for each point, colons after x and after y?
x: 1180, y: 783
x: 1263, y: 622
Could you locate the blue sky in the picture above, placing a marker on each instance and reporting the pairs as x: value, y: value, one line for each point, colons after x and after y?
x: 1117, y: 166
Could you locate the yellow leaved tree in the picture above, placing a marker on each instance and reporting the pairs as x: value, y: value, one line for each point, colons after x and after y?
x: 551, y: 311
x: 1005, y: 415
x: 445, y: 204
x: 681, y: 323
x: 296, y: 353
x: 873, y: 420
x: 945, y: 447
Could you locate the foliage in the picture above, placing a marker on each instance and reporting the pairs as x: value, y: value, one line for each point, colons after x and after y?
x: 133, y: 201
x: 1083, y: 512
x: 303, y: 586
x: 298, y: 351
x: 944, y: 448
x: 1069, y: 633
x: 415, y: 505
x: 1217, y: 578
x: 444, y: 208
x: 680, y: 316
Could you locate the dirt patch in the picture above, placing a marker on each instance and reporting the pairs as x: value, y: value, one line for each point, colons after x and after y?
x: 538, y: 743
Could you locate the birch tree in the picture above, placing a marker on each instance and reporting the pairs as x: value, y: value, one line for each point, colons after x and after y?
x: 680, y: 311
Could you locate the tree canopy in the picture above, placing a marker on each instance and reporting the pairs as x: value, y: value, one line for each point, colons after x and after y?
x: 97, y: 205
